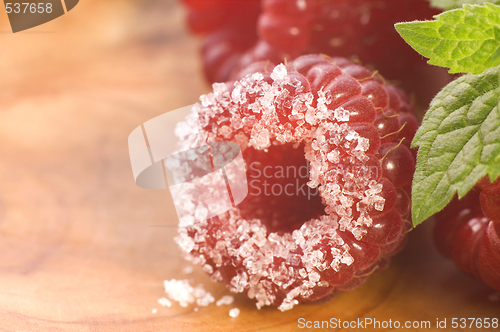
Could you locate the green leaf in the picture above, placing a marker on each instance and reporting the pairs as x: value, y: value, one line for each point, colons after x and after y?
x: 450, y: 4
x: 466, y: 40
x: 459, y: 142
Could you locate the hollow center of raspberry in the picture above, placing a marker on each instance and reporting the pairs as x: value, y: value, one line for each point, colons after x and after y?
x: 278, y: 194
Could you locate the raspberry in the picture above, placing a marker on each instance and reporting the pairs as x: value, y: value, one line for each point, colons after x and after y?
x: 322, y: 212
x: 228, y: 27
x: 365, y: 28
x: 284, y: 29
x: 468, y: 232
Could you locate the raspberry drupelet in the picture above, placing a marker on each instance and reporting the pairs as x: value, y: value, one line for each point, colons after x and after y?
x: 350, y: 130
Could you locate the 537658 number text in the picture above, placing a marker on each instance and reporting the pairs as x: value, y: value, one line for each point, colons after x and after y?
x: 27, y: 7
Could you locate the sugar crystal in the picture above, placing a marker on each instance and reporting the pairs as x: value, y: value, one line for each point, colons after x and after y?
x: 341, y: 114
x: 187, y: 270
x: 234, y: 312
x: 183, y: 293
x: 279, y: 73
x: 164, y: 302
x: 225, y: 300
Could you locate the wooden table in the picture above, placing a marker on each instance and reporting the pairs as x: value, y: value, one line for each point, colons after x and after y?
x: 82, y: 248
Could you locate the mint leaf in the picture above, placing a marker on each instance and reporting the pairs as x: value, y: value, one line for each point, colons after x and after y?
x: 459, y: 142
x: 449, y: 4
x: 466, y: 40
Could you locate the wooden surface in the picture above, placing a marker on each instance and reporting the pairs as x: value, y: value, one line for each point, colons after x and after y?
x: 82, y: 248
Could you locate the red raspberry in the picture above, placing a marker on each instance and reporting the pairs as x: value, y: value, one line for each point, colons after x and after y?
x: 228, y: 28
x: 285, y: 245
x: 363, y: 29
x: 468, y: 231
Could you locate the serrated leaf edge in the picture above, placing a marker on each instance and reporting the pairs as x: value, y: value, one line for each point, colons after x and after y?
x: 419, y: 215
x: 435, y: 60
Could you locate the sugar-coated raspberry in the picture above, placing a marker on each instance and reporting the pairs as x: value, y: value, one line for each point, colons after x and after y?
x: 346, y: 220
x: 468, y: 231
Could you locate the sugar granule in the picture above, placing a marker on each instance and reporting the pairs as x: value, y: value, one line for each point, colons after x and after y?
x: 234, y: 312
x: 187, y: 270
x: 183, y: 293
x: 164, y: 302
x: 180, y: 291
x: 155, y: 311
x: 225, y: 300
x: 205, y: 300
